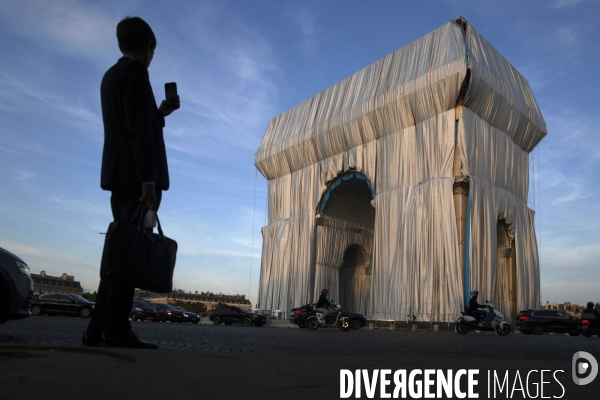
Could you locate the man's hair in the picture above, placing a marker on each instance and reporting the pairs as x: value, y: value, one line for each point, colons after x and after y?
x: 134, y: 33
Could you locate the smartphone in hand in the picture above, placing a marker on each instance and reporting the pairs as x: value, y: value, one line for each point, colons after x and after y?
x: 171, y: 95
x: 170, y: 91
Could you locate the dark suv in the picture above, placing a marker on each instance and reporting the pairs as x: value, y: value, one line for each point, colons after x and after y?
x: 62, y: 304
x: 542, y: 320
x: 235, y: 315
x: 142, y: 311
x: 167, y: 312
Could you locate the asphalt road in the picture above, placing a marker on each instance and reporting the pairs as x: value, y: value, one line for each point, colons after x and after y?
x: 279, y: 363
x: 67, y: 331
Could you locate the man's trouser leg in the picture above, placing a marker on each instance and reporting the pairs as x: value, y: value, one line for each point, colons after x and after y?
x: 113, y: 300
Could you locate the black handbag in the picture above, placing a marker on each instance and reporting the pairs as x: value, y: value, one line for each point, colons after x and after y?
x: 136, y: 257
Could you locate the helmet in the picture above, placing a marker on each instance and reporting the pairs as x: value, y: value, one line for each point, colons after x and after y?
x: 474, y: 292
x: 590, y: 305
x: 324, y: 290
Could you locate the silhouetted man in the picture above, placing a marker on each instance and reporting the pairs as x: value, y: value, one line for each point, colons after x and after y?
x: 134, y: 166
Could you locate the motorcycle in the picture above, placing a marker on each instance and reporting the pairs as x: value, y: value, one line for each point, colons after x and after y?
x: 308, y: 317
x: 589, y: 325
x: 494, y: 321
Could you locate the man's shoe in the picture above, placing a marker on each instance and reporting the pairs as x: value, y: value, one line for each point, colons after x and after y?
x: 129, y: 340
x: 91, y: 339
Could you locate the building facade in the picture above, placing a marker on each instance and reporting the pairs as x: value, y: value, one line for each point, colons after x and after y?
x: 210, y: 300
x: 404, y: 186
x: 44, y: 284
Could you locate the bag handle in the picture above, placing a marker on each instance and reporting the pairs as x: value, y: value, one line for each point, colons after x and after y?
x: 140, y: 207
x: 160, y: 231
x: 141, y: 223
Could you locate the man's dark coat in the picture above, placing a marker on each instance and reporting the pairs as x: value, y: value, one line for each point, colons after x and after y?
x: 134, y: 149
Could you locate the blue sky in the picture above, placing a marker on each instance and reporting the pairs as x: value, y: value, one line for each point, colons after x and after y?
x: 237, y: 64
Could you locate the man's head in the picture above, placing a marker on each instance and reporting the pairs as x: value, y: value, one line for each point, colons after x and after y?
x: 590, y: 305
x: 324, y: 291
x: 136, y: 39
x: 474, y: 293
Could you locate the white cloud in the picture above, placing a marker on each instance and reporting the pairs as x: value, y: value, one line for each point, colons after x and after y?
x: 68, y: 26
x: 19, y: 93
x: 566, y: 3
x: 574, y: 195
x: 557, y: 47
x: 306, y: 21
x: 227, y: 85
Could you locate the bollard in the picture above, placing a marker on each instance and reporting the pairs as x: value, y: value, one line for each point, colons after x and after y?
x: 414, y: 327
x: 371, y: 325
x: 436, y: 328
x: 393, y: 326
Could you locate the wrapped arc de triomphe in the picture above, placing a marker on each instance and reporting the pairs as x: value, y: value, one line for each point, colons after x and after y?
x: 404, y: 186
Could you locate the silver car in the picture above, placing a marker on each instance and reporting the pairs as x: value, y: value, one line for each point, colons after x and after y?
x: 16, y: 287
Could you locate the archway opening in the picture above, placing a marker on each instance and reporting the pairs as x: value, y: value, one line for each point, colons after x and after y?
x: 345, y: 229
x: 355, y: 279
x: 348, y: 198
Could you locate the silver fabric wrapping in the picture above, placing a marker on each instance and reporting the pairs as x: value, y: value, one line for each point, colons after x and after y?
x: 396, y: 122
x: 412, y: 84
x: 488, y: 204
x: 501, y: 95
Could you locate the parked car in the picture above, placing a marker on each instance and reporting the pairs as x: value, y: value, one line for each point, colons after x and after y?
x: 62, y: 304
x: 541, y: 320
x: 189, y: 316
x: 16, y: 287
x: 167, y: 312
x: 142, y: 310
x: 235, y: 315
x: 298, y: 315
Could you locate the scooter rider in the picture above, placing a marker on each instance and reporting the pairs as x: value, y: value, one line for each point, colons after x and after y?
x: 474, y: 307
x: 322, y: 302
x: 591, y: 310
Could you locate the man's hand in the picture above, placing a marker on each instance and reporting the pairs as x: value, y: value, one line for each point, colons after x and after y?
x: 148, y: 195
x: 168, y: 106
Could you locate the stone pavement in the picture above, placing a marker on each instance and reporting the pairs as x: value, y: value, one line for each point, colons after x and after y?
x: 41, y: 357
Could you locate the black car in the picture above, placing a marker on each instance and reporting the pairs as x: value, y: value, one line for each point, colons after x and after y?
x: 297, y: 316
x: 542, y: 320
x: 235, y: 315
x: 167, y: 312
x: 62, y: 304
x: 16, y: 287
x: 142, y: 311
x: 189, y: 316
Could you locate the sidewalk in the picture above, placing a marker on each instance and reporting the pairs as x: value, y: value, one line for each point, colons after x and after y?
x: 84, y: 373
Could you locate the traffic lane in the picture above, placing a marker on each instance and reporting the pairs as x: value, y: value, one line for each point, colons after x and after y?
x: 67, y: 331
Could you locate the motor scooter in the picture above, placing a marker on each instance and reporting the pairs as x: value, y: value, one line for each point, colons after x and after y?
x: 336, y: 318
x: 494, y: 321
x: 589, y: 325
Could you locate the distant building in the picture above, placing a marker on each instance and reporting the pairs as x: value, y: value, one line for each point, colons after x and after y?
x: 210, y: 300
x: 43, y: 284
